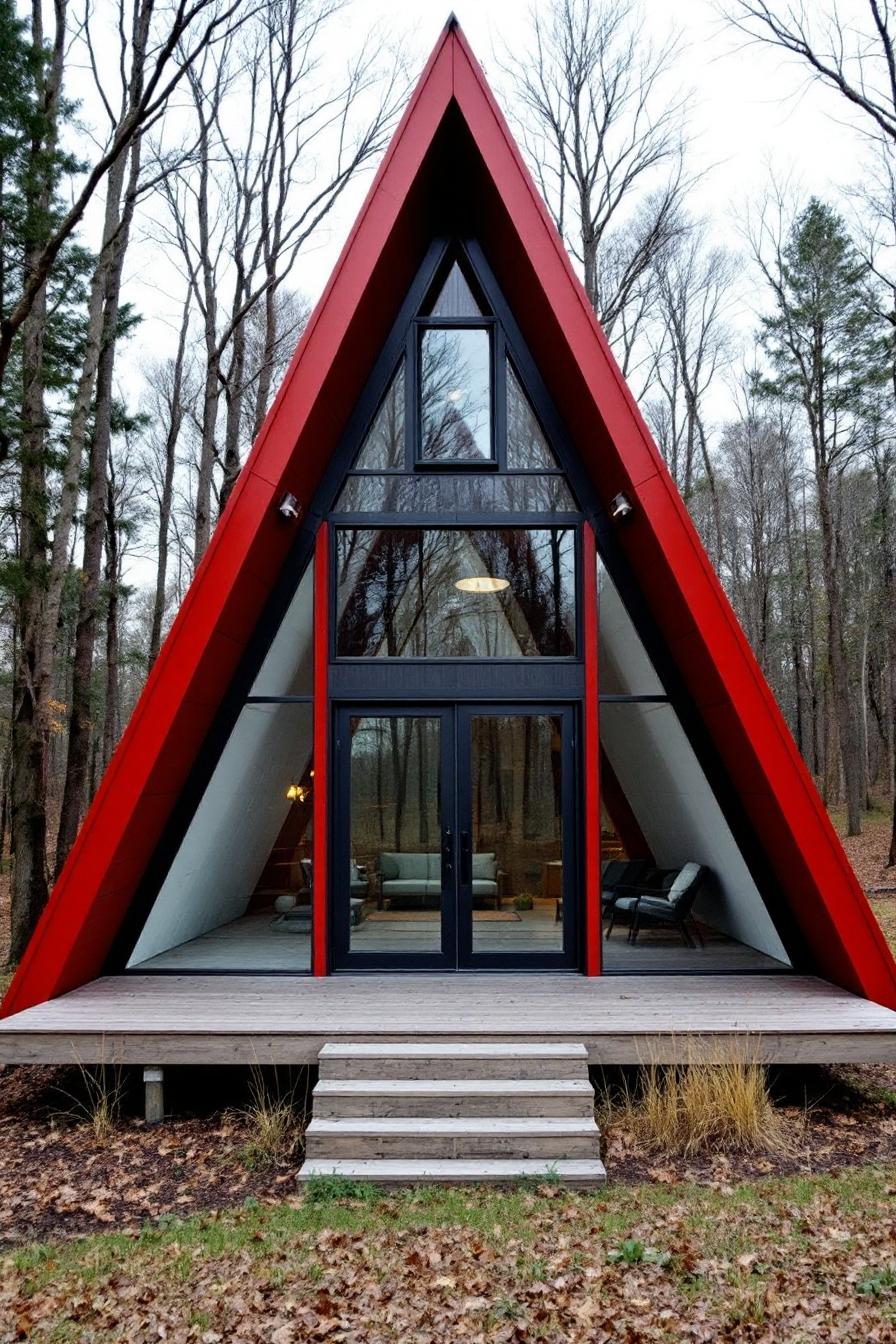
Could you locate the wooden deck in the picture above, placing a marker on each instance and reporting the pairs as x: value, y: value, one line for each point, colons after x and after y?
x: 193, y: 1019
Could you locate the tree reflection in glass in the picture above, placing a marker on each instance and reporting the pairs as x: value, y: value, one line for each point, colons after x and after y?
x: 527, y: 447
x: 398, y: 594
x: 383, y: 447
x: 455, y: 394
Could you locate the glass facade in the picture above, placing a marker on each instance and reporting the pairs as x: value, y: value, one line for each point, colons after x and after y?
x: 455, y: 592
x: 238, y: 891
x: 396, y: 879
x: 383, y: 448
x: 454, y: 814
x: 457, y: 492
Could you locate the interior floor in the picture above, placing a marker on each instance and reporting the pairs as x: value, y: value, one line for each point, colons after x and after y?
x: 262, y: 941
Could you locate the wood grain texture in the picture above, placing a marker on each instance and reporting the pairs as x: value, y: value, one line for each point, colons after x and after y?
x: 288, y: 1019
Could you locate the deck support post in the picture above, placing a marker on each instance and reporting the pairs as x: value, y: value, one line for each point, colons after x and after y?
x: 154, y: 1094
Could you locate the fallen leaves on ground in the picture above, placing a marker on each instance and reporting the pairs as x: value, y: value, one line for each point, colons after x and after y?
x: 773, y: 1263
x: 58, y: 1180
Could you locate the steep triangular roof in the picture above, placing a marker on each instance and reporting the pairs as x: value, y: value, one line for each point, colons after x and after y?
x: 452, y: 120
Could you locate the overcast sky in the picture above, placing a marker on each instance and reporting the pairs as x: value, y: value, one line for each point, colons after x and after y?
x: 754, y: 113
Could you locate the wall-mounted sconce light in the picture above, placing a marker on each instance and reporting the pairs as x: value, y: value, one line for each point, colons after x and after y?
x: 621, y: 508
x: 289, y: 507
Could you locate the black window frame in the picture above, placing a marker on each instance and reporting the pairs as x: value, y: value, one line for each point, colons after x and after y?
x: 414, y: 396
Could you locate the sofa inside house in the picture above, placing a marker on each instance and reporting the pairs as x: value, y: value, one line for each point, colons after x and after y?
x: 414, y: 881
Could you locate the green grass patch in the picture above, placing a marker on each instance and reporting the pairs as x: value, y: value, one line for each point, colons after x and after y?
x: 541, y: 1264
x: 259, y: 1230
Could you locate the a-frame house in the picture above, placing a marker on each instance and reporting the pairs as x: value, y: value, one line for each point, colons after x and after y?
x: 455, y: 689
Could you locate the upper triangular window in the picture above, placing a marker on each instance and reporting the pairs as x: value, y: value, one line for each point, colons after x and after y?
x: 456, y: 298
x: 527, y: 447
x: 383, y: 446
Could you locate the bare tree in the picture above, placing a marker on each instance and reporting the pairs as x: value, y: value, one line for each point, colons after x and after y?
x: 857, y: 61
x: 605, y: 139
x: 125, y: 501
x: 258, y: 192
x: 694, y: 283
x: 168, y: 394
x: 156, y: 50
x: 177, y: 35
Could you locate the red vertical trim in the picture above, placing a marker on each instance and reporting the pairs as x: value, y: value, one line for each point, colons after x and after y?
x: 320, y: 886
x: 591, y: 763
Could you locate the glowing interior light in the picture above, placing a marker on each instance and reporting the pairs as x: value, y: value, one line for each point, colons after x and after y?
x: 482, y: 583
x: 456, y: 394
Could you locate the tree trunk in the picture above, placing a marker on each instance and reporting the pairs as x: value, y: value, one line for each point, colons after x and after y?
x: 203, y: 522
x: 236, y: 386
x: 265, y: 373
x: 112, y: 714
x: 79, y: 727
x: 28, y: 794
x: 28, y: 830
x: 166, y: 496
x: 837, y: 661
x: 71, y: 476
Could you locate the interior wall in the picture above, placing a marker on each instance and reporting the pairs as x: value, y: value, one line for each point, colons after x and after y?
x: 288, y: 668
x: 666, y: 788
x: 234, y: 828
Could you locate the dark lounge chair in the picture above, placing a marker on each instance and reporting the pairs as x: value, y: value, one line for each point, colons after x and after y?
x: 621, y: 873
x: 672, y: 905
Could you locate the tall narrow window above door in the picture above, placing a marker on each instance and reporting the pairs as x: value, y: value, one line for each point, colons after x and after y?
x: 456, y: 395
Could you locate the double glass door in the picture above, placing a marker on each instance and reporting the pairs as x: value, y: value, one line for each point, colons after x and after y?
x: 454, y: 842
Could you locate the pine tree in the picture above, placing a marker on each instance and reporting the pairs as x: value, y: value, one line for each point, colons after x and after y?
x: 822, y: 342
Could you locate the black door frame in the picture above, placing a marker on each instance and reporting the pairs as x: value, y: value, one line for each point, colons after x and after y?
x: 457, y: 952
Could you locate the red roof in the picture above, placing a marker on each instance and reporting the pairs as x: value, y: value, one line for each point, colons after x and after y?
x: 452, y: 127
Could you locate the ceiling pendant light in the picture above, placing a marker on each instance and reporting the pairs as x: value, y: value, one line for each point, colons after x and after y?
x: 482, y: 583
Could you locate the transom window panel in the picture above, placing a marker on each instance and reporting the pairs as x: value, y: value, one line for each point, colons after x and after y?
x: 482, y: 492
x: 383, y: 446
x: 414, y: 592
x: 455, y: 395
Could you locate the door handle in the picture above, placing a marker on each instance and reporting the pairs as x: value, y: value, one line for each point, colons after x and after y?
x: 448, y: 851
x: 466, y: 857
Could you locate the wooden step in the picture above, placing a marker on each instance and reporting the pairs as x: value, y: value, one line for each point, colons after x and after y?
x: 579, y: 1173
x: 440, y: 1059
x: 548, y: 1138
x: 341, y: 1098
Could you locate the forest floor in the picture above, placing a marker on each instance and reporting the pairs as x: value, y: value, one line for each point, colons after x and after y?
x: 189, y: 1231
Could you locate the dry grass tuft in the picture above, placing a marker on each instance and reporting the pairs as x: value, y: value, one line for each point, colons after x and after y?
x: 275, y: 1121
x: 702, y: 1107
x: 99, y: 1106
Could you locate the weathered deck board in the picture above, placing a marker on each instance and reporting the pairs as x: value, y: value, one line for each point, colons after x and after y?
x: 287, y: 1019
